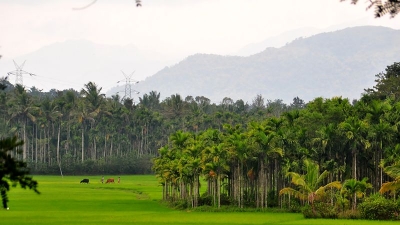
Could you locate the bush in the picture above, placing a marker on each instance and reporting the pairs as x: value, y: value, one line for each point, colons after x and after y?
x: 291, y: 206
x: 272, y: 198
x: 326, y: 210
x: 349, y: 214
x: 321, y: 210
x: 377, y: 207
x: 205, y: 200
x: 225, y: 200
x: 309, y: 213
x: 180, y: 204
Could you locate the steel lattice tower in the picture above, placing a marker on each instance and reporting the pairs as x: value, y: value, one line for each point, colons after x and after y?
x: 19, y: 72
x: 128, y: 87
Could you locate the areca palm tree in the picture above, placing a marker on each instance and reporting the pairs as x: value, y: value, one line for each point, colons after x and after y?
x: 91, y: 107
x: 194, y: 168
x: 22, y: 110
x: 50, y: 112
x: 265, y: 144
x: 236, y: 143
x: 355, y: 189
x: 308, y: 185
x: 217, y: 166
x: 82, y: 114
x: 355, y: 131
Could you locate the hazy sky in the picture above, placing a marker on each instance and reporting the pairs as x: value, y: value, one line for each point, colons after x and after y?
x: 163, y: 30
x: 174, y: 28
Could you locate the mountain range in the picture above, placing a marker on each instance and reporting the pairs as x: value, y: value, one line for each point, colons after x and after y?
x: 335, y: 63
x: 340, y: 63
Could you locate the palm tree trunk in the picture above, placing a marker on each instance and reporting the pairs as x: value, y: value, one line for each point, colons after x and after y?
x: 219, y: 190
x: 94, y: 148
x: 82, y: 144
x: 58, y: 143
x: 354, y: 164
x: 36, y: 147
x: 25, y: 141
x: 105, y: 146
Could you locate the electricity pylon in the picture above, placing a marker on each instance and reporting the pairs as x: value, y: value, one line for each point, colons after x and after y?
x: 128, y: 88
x: 19, y: 72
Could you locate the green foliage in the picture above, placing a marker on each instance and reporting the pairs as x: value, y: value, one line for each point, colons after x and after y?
x: 129, y: 164
x: 387, y: 83
x: 13, y: 170
x: 320, y: 210
x: 349, y: 214
x: 179, y: 204
x: 205, y: 200
x: 272, y: 198
x: 384, y: 7
x: 377, y: 207
x: 293, y: 206
x: 308, y: 212
x: 326, y: 210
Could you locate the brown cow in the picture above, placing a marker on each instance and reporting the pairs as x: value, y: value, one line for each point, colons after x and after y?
x: 110, y: 180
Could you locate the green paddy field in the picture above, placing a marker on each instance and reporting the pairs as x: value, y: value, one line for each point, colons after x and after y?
x: 63, y: 200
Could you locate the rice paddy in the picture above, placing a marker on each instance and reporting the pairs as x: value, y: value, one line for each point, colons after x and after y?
x: 136, y: 200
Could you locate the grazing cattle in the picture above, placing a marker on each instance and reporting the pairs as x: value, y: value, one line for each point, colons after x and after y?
x: 85, y: 181
x: 110, y: 180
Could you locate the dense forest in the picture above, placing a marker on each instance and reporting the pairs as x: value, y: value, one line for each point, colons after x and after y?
x: 257, y: 154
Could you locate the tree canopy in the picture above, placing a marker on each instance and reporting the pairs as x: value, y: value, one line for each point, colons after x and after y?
x: 13, y: 170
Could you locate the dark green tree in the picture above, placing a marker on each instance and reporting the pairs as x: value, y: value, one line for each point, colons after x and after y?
x: 12, y: 170
x: 387, y: 83
x: 382, y: 8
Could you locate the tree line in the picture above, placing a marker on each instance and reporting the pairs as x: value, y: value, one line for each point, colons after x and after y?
x: 332, y: 152
x: 85, y: 132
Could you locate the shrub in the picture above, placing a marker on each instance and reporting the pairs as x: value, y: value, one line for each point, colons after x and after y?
x: 309, y: 213
x: 321, y: 210
x: 377, y: 207
x: 325, y: 210
x: 225, y: 200
x: 291, y: 206
x: 180, y: 204
x: 205, y: 199
x: 349, y: 214
x: 272, y: 198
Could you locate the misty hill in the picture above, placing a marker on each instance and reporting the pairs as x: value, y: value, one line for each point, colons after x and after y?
x: 276, y: 41
x: 288, y: 36
x: 73, y: 63
x: 340, y: 63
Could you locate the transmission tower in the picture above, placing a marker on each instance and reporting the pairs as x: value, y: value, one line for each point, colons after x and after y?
x: 128, y: 88
x: 19, y: 72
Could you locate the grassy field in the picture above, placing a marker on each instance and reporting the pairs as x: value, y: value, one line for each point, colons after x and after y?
x: 134, y: 201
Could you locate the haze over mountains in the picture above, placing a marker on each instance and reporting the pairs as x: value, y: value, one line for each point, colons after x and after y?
x: 339, y: 63
x: 73, y: 63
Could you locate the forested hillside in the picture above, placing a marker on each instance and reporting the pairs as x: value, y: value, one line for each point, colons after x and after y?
x: 338, y: 63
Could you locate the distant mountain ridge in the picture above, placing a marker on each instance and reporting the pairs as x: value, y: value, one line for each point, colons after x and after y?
x: 340, y: 63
